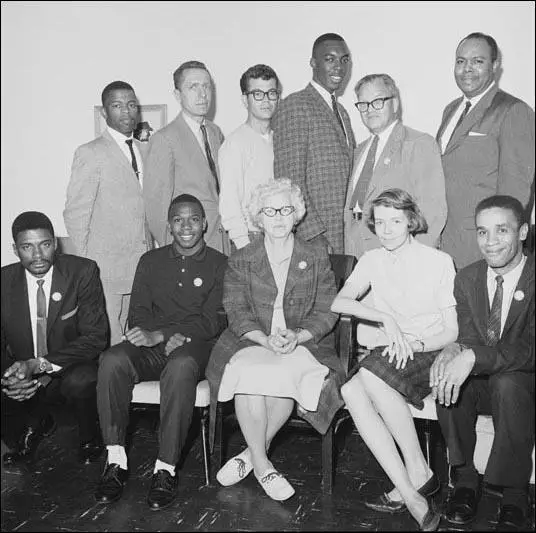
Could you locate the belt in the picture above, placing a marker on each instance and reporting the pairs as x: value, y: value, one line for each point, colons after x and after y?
x: 357, y: 216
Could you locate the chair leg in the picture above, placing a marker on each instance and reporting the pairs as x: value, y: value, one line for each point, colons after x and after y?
x: 327, y: 461
x: 428, y: 441
x: 204, y: 423
x: 218, y: 439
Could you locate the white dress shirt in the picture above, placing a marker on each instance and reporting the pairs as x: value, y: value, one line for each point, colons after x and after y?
x: 120, y: 139
x: 196, y: 130
x: 327, y: 98
x: 510, y: 281
x: 382, y: 141
x: 447, y: 134
x: 31, y: 282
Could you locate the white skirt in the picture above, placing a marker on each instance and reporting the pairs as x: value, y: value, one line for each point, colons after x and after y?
x: 259, y: 371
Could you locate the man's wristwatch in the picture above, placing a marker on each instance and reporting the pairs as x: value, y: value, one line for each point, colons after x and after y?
x: 44, y: 365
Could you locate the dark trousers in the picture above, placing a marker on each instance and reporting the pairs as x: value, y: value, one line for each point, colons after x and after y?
x: 124, y: 365
x: 509, y: 398
x: 74, y: 385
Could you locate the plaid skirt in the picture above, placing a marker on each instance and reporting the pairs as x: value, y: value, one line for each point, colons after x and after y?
x: 413, y: 381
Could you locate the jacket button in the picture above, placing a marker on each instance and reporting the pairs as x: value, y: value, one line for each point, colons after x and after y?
x: 291, y: 302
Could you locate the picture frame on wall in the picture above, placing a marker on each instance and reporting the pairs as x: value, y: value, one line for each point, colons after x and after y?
x: 152, y: 118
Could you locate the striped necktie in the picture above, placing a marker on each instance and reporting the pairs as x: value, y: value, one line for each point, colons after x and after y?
x: 210, y: 159
x: 361, y: 187
x: 41, y: 323
x: 493, y: 331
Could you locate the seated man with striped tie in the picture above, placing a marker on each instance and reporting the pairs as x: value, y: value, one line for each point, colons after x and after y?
x: 490, y: 369
x: 54, y: 328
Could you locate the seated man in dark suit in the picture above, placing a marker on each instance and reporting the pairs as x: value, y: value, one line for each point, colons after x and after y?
x: 173, y: 320
x: 490, y: 369
x: 54, y: 327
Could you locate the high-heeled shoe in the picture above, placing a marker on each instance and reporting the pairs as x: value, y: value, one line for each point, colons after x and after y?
x: 431, y: 519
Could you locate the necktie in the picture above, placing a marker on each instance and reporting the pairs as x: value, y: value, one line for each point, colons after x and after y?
x: 462, y: 116
x: 41, y: 324
x: 211, y: 163
x: 337, y: 114
x: 493, y: 332
x: 360, y: 191
x: 133, y: 156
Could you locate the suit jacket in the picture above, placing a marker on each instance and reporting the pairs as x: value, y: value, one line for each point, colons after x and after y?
x: 177, y: 164
x: 410, y: 161
x: 311, y: 150
x: 515, y: 349
x: 249, y: 293
x: 492, y: 152
x: 77, y: 326
x: 104, y: 211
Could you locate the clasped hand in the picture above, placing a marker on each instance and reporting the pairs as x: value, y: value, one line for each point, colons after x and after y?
x: 17, y: 381
x: 141, y: 337
x: 398, y: 347
x: 283, y: 341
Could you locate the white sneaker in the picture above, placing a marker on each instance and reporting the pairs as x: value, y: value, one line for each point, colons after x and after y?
x: 275, y: 485
x: 235, y: 469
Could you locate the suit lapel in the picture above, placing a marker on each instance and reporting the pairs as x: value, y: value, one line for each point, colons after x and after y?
x: 58, y: 290
x: 116, y: 152
x: 299, y: 264
x: 447, y: 118
x: 260, y: 264
x: 20, y: 311
x: 186, y: 134
x: 480, y: 288
x: 523, y: 289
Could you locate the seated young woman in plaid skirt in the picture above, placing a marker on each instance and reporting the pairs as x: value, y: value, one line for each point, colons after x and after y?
x: 410, y: 315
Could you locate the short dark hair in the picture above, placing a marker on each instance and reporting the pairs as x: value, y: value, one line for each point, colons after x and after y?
x: 30, y: 220
x: 398, y: 199
x: 186, y: 198
x: 115, y: 86
x: 177, y: 75
x: 326, y: 37
x: 503, y: 201
x: 488, y: 38
x: 264, y: 72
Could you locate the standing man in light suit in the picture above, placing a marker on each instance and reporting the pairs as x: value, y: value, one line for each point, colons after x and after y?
x: 183, y: 158
x: 394, y: 156
x: 104, y: 211
x: 314, y: 143
x: 487, y: 141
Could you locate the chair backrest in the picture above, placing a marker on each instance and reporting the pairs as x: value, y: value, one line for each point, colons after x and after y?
x: 342, y: 265
x: 65, y: 246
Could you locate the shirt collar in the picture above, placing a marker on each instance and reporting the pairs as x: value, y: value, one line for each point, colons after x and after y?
x: 478, y: 97
x: 384, y: 135
x: 326, y: 95
x: 199, y: 256
x: 32, y: 280
x: 193, y: 124
x: 118, y: 137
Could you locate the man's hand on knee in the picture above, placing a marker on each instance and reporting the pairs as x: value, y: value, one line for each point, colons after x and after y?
x: 176, y: 341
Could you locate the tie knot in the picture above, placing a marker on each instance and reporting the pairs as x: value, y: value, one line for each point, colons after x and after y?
x: 40, y: 282
x: 467, y: 105
x: 499, y: 280
x: 129, y: 142
x: 333, y: 98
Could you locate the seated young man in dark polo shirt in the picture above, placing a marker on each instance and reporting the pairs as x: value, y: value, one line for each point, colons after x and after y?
x: 173, y: 324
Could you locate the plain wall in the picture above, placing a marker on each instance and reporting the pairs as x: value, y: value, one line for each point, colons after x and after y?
x: 58, y: 56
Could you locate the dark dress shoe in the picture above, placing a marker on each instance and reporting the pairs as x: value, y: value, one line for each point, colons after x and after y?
x: 29, y: 441
x: 431, y: 520
x: 90, y: 451
x: 462, y: 506
x: 384, y: 504
x: 511, y: 518
x: 111, y: 484
x: 163, y: 490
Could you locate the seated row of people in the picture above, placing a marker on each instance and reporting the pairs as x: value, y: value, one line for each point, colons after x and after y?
x: 467, y: 338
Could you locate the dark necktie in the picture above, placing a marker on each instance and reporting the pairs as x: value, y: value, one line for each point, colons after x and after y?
x: 360, y: 191
x: 462, y: 116
x: 493, y: 332
x: 41, y: 324
x: 211, y: 163
x: 337, y: 114
x: 133, y: 156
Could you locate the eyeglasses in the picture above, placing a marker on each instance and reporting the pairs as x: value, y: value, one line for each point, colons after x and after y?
x: 284, y: 211
x: 377, y: 104
x: 259, y: 95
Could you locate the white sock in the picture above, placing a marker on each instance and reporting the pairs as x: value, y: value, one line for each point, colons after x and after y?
x: 117, y: 455
x: 160, y: 465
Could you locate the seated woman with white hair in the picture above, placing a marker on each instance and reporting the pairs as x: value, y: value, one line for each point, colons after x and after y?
x: 279, y: 347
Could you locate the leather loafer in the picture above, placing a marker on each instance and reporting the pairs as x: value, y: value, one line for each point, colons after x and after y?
x: 384, y: 504
x: 511, y: 518
x: 90, y: 451
x: 163, y: 490
x: 462, y: 506
x: 29, y: 442
x: 111, y: 484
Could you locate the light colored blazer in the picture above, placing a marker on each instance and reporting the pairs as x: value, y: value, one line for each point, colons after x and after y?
x: 411, y: 161
x: 176, y: 164
x: 104, y: 211
x: 311, y: 150
x: 492, y: 152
